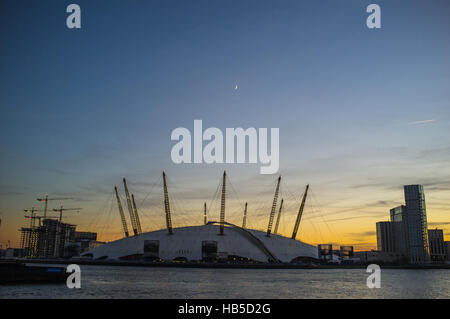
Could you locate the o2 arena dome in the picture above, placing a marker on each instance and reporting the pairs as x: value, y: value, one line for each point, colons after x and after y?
x: 213, y: 241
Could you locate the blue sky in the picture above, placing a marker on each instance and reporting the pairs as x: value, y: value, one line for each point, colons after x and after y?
x: 81, y: 108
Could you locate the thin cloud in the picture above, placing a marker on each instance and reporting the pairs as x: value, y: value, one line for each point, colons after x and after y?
x: 363, y: 234
x: 438, y: 223
x: 423, y: 122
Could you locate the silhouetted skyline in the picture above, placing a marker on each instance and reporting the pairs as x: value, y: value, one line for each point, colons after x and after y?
x: 361, y: 112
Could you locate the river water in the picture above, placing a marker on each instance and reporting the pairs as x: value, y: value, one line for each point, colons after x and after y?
x: 136, y: 282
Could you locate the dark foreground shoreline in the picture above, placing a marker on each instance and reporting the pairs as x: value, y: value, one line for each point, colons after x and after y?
x: 13, y: 271
x: 223, y: 265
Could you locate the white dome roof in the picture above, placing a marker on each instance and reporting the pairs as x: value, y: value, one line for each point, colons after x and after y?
x: 187, y: 242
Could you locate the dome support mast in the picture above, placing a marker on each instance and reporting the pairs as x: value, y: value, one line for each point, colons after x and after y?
x: 275, y: 231
x: 222, y: 204
x: 130, y: 208
x: 300, y: 212
x: 167, y: 206
x: 274, y: 206
x: 122, y: 215
x: 136, y: 215
x: 244, y: 221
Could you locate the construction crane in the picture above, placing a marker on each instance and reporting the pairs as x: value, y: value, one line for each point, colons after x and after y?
x: 167, y: 206
x: 130, y: 208
x: 60, y: 210
x: 122, y: 215
x: 136, y: 215
x: 300, y: 212
x: 274, y: 206
x: 244, y: 220
x: 222, y: 204
x: 275, y: 231
x: 46, y: 199
x: 32, y: 216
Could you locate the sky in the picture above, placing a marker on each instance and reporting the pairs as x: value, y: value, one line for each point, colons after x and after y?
x: 361, y: 111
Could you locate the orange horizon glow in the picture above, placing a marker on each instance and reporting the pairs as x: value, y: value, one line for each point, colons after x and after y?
x: 358, y: 232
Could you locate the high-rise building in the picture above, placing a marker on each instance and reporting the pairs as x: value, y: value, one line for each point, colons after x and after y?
x: 48, y: 240
x: 437, y: 245
x: 416, y: 224
x: 385, y: 237
x: 53, y: 237
x: 407, y: 232
x: 397, y: 213
x: 398, y: 218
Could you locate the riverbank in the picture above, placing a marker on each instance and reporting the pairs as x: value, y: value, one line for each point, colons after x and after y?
x: 223, y: 265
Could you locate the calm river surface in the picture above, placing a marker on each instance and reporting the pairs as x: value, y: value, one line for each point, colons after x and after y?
x: 137, y: 282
